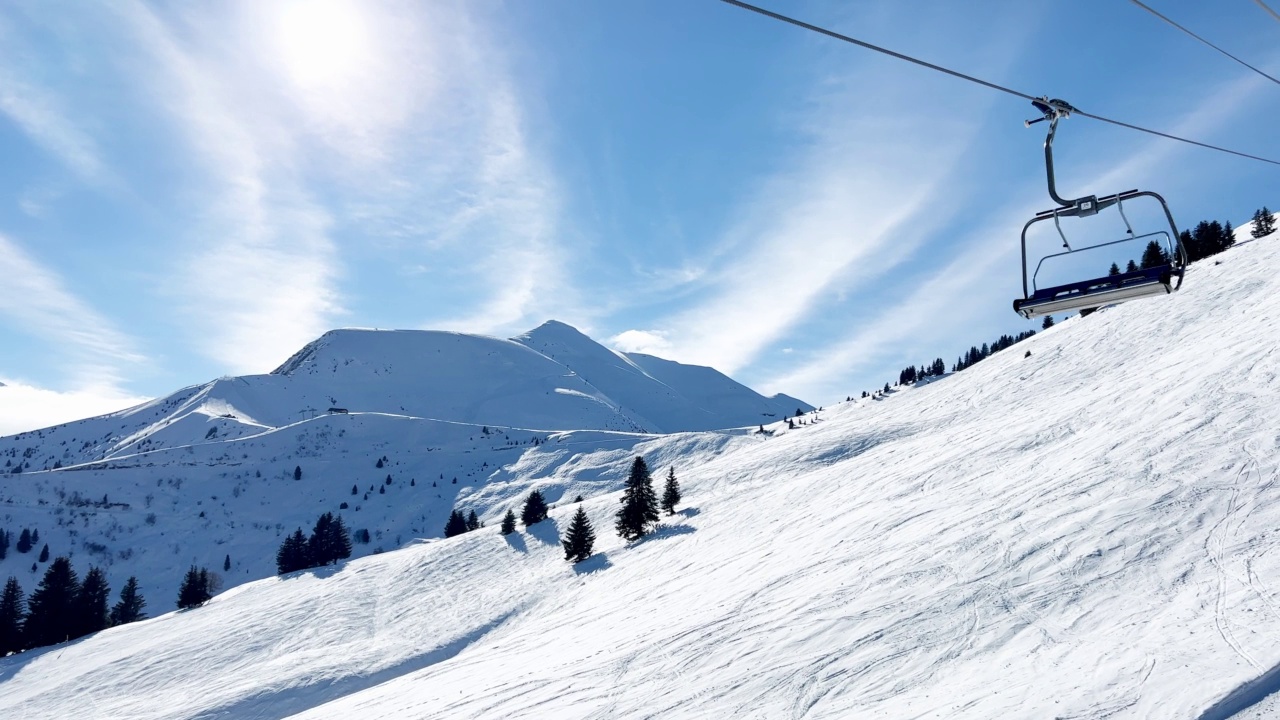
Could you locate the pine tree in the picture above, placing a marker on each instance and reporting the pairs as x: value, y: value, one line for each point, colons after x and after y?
x: 456, y: 525
x: 535, y: 509
x: 294, y: 554
x: 508, y: 523
x: 639, y: 503
x: 1048, y: 322
x: 1131, y: 267
x: 51, y: 608
x: 44, y: 553
x: 329, y: 541
x: 340, y: 540
x: 297, y: 472
x: 1188, y: 243
x: 4, y: 543
x: 195, y: 588
x: 226, y: 563
x: 671, y: 493
x: 1264, y: 223
x: 318, y: 544
x: 129, y: 607
x: 24, y: 541
x: 91, y: 603
x: 1115, y: 269
x: 579, y: 538
x: 11, y: 618
x: 473, y: 522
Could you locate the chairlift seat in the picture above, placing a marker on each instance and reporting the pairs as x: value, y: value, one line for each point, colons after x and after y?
x: 1156, y: 280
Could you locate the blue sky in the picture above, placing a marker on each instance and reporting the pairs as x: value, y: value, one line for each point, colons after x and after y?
x: 198, y: 189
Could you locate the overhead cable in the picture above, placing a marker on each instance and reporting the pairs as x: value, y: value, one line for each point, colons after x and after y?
x: 970, y: 78
x: 1264, y: 6
x: 1155, y: 12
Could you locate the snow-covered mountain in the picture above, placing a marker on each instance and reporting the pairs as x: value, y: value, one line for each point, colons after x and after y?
x: 1081, y: 527
x: 551, y: 378
x: 391, y: 429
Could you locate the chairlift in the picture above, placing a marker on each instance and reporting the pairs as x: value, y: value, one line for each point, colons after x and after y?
x: 1088, y: 295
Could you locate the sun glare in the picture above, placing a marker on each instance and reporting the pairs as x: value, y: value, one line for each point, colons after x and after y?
x: 324, y: 43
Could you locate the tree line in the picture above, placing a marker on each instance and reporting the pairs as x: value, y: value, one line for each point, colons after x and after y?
x: 635, y: 519
x: 62, y: 608
x: 328, y: 543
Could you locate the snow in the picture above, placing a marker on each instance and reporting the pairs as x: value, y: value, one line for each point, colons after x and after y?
x: 1088, y: 531
x: 207, y: 472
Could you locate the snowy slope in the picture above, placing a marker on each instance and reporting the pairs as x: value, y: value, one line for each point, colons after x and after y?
x: 538, y: 382
x: 668, y: 395
x: 1086, y: 532
x: 207, y: 473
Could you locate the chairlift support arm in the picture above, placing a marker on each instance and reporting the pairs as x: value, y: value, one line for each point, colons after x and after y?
x: 1101, y: 291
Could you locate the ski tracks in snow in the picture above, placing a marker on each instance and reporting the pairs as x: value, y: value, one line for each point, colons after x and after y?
x: 1215, y: 546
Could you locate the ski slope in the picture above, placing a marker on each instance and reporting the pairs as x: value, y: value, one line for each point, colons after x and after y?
x: 429, y: 422
x: 1088, y: 531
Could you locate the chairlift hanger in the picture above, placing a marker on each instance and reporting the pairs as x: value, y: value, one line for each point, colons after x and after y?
x: 1088, y: 295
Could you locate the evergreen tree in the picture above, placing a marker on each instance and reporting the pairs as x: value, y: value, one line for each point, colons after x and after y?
x: 51, y: 608
x: 195, y: 588
x: 1228, y: 235
x: 508, y: 523
x: 639, y: 503
x: 297, y: 472
x: 129, y: 608
x: 1048, y: 322
x: 318, y: 549
x: 294, y: 554
x: 340, y: 541
x: 473, y: 522
x: 24, y: 541
x: 1188, y: 245
x: 4, y: 543
x: 456, y: 525
x: 1131, y: 267
x: 44, y: 553
x: 1115, y: 269
x: 671, y: 493
x: 329, y: 541
x: 91, y: 603
x: 11, y: 618
x: 226, y: 563
x: 535, y: 509
x: 1154, y: 256
x: 1264, y: 223
x: 580, y: 538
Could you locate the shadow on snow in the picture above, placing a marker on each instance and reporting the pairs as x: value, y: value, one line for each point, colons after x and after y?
x: 1245, y: 696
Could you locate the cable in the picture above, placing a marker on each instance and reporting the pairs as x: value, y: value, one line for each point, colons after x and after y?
x: 970, y: 78
x: 877, y: 48
x: 1153, y: 11
x: 1263, y: 5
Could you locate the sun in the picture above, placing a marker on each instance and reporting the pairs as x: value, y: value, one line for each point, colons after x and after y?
x: 323, y: 43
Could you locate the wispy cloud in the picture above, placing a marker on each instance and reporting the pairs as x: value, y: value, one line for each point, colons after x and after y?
x: 962, y: 289
x: 38, y: 300
x: 847, y: 207
x: 41, y: 115
x: 259, y: 279
x: 27, y: 407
